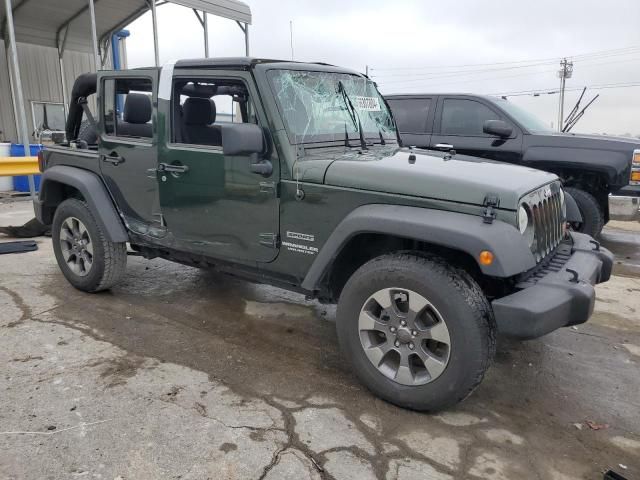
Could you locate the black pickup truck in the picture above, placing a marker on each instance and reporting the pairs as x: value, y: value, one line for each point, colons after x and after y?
x: 590, y: 166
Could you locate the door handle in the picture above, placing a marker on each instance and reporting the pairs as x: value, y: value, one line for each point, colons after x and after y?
x: 172, y: 168
x: 263, y: 167
x: 113, y: 158
x: 444, y: 146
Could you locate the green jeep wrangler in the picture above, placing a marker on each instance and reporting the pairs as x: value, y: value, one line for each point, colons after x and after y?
x: 292, y: 174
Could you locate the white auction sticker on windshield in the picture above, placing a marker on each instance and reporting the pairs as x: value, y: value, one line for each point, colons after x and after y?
x: 369, y: 104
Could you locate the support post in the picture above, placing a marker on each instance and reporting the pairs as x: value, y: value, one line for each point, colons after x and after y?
x: 65, y: 96
x: 23, y: 131
x: 246, y: 39
x: 94, y: 34
x: 205, y: 26
x: 154, y: 20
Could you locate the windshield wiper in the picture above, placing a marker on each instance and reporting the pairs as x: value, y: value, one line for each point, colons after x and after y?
x: 353, y: 114
x: 346, y: 136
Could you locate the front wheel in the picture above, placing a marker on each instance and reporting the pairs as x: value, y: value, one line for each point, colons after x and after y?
x: 88, y: 260
x: 417, y: 331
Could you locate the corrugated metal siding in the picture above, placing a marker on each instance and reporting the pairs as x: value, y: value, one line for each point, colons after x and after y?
x: 76, y: 63
x: 7, y: 121
x: 40, y: 70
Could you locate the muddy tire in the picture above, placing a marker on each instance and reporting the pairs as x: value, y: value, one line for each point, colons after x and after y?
x: 592, y: 214
x: 418, y: 332
x: 88, y: 260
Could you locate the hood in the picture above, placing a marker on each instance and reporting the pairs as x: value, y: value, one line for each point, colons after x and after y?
x: 461, y: 178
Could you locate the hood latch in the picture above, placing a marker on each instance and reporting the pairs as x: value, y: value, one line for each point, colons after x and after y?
x: 490, y: 204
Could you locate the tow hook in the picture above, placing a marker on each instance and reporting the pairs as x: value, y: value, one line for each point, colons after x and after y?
x: 574, y: 275
x: 595, y: 244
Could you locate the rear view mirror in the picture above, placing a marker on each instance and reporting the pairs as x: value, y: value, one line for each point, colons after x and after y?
x: 498, y: 128
x: 242, y: 139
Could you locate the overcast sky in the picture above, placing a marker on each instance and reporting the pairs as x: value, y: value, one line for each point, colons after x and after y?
x: 419, y: 46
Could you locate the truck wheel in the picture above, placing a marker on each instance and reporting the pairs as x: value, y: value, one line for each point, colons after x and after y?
x: 418, y: 332
x: 87, y: 259
x: 592, y: 214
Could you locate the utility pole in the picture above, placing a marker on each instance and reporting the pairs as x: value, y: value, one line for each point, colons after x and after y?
x: 566, y: 71
x: 366, y: 69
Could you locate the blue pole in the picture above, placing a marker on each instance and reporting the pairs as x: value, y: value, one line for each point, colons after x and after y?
x: 117, y: 64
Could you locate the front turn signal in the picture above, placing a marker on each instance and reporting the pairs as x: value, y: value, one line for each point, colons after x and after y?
x: 485, y: 258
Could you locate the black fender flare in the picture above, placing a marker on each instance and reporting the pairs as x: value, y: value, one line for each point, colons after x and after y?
x: 93, y: 191
x: 573, y: 212
x: 458, y: 231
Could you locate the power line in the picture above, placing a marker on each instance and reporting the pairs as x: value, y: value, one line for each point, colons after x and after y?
x: 427, y: 76
x: 466, y: 80
x: 428, y: 80
x: 552, y: 91
x: 595, y: 54
x: 454, y: 72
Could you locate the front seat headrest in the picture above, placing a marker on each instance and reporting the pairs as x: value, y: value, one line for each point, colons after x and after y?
x: 199, y: 111
x: 137, y: 108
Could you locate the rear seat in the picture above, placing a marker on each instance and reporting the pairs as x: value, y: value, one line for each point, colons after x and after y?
x: 136, y: 117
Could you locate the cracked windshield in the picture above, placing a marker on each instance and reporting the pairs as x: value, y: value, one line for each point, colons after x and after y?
x: 327, y: 106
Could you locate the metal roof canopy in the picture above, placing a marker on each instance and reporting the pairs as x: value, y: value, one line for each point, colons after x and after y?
x: 87, y: 25
x: 67, y: 23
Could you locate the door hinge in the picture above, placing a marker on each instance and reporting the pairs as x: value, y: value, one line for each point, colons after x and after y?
x: 490, y: 204
x: 160, y: 219
x: 271, y: 240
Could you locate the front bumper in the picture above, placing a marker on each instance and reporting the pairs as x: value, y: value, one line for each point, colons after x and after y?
x: 624, y: 203
x: 557, y: 293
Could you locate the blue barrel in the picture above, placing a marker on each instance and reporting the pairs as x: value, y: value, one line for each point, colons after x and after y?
x: 21, y: 182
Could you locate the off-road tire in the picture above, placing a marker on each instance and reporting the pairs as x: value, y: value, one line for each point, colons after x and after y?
x: 464, y: 309
x: 109, y: 258
x: 87, y: 133
x: 592, y: 214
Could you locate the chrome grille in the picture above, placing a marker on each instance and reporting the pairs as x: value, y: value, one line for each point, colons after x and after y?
x: 546, y: 210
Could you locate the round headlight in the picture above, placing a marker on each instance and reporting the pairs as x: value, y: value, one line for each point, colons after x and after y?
x: 523, y: 219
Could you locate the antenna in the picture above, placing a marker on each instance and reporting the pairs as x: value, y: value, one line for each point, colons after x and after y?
x: 291, y: 36
x: 575, y: 109
x: 577, y: 117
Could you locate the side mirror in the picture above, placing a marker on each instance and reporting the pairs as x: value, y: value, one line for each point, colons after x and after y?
x: 242, y: 139
x: 498, y: 128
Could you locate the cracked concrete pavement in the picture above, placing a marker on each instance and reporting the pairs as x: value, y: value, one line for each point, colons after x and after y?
x: 181, y: 373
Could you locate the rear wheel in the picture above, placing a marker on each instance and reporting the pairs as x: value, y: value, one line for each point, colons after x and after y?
x: 418, y: 332
x: 88, y: 260
x: 591, y: 211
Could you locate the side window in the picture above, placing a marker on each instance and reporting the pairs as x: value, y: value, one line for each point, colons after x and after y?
x: 127, y: 107
x: 201, y: 106
x: 411, y: 114
x: 465, y: 117
x: 48, y: 116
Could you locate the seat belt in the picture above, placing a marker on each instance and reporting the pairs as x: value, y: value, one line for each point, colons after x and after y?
x: 82, y: 101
